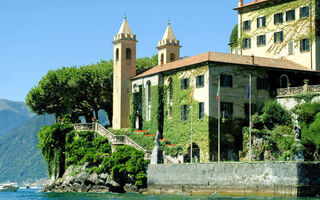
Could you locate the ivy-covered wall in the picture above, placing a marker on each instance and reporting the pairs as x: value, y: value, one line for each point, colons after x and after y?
x: 300, y: 28
x: 179, y: 132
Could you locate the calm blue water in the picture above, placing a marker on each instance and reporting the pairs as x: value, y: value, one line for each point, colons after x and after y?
x: 36, y: 195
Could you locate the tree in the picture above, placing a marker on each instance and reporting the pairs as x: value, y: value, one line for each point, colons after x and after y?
x: 234, y: 37
x: 79, y: 91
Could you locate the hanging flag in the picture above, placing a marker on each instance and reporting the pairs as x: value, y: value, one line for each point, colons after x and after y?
x: 218, y: 92
x: 248, y: 92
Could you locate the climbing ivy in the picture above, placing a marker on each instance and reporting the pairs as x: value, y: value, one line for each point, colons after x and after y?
x: 293, y: 31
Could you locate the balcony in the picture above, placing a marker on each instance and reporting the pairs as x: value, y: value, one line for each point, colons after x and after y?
x: 294, y: 91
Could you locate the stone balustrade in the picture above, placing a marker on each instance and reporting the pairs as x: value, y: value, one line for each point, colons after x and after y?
x: 292, y: 91
x: 114, y: 139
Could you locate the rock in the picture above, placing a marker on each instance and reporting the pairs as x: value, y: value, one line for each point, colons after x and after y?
x: 130, y: 188
x: 94, y: 178
x: 99, y: 188
x: 104, y: 176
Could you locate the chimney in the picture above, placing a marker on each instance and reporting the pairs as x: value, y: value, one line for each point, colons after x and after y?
x: 252, y: 60
x: 240, y: 3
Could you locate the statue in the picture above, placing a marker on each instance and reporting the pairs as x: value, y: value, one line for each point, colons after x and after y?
x: 297, y: 131
x: 298, y: 156
x: 157, y: 154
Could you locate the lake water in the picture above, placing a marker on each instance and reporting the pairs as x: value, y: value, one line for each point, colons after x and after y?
x: 32, y: 194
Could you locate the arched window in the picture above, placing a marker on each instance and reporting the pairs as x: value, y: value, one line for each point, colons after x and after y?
x: 162, y: 59
x: 170, y: 91
x: 170, y: 98
x: 135, y: 88
x: 117, y: 54
x: 284, y: 81
x: 172, y: 57
x: 128, y: 53
x: 148, y: 115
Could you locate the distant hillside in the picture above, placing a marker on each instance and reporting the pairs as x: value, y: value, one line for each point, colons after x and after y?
x: 12, y: 115
x: 20, y: 160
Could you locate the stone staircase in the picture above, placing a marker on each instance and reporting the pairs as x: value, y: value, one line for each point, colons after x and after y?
x: 116, y: 140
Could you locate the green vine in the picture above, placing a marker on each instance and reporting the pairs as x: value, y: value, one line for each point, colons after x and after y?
x: 290, y: 29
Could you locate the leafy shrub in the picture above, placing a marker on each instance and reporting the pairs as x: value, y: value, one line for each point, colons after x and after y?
x: 275, y: 114
x: 126, y: 161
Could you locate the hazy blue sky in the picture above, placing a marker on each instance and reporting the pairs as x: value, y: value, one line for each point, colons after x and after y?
x: 39, y: 35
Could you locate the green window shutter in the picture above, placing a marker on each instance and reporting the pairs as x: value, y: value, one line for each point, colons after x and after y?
x: 281, y: 36
x: 197, y: 81
x: 187, y: 83
x: 249, y: 25
x: 274, y: 19
x: 264, y: 21
x: 202, y: 80
x: 307, y: 44
x: 275, y: 37
x: 300, y: 13
x: 182, y: 84
x: 301, y: 45
x: 307, y: 11
x: 281, y: 17
x: 181, y: 114
x: 187, y: 112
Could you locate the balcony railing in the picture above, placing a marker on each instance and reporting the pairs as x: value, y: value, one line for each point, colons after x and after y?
x: 293, y: 91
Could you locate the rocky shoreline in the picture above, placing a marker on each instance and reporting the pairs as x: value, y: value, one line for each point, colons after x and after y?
x: 79, y: 179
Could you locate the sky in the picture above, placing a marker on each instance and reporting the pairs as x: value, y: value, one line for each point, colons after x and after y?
x: 41, y: 35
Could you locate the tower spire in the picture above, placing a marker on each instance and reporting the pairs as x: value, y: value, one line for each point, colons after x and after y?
x: 169, y: 47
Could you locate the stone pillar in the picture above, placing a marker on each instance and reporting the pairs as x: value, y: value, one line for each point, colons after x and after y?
x: 305, y: 86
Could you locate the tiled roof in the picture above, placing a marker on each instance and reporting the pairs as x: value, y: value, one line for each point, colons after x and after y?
x: 226, y: 58
x: 252, y: 3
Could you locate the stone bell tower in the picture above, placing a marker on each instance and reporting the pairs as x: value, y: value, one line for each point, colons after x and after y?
x: 124, y: 68
x: 169, y: 47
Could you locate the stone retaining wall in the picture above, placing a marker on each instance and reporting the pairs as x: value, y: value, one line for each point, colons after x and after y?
x: 256, y: 178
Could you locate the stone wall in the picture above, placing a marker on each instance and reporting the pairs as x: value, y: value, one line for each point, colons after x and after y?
x: 256, y: 178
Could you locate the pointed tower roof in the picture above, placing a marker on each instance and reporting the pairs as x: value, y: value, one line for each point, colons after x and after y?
x: 168, y: 38
x: 125, y: 32
x: 168, y: 35
x: 125, y: 27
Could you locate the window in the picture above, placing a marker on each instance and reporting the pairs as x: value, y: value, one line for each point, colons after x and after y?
x: 201, y: 110
x: 162, y: 59
x: 261, y: 40
x: 226, y: 81
x: 304, y: 45
x: 200, y: 81
x: 184, y: 113
x: 261, y: 22
x: 226, y: 110
x: 290, y: 48
x: 290, y: 15
x: 304, y: 12
x: 148, y: 117
x: 246, y: 43
x: 246, y: 25
x: 185, y: 84
x: 170, y: 91
x: 170, y: 98
x: 128, y: 53
x: 253, y: 109
x: 172, y: 57
x: 117, y: 54
x: 278, y: 37
x: 278, y: 18
x: 262, y: 83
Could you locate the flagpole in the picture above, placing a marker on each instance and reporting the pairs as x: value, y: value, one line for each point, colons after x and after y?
x: 191, y: 126
x: 250, y: 125
x: 219, y: 120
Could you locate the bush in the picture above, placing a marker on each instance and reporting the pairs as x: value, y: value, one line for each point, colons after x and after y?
x: 126, y: 161
x: 307, y: 112
x: 275, y: 114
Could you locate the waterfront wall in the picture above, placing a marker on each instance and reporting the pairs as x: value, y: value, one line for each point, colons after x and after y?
x: 256, y: 178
